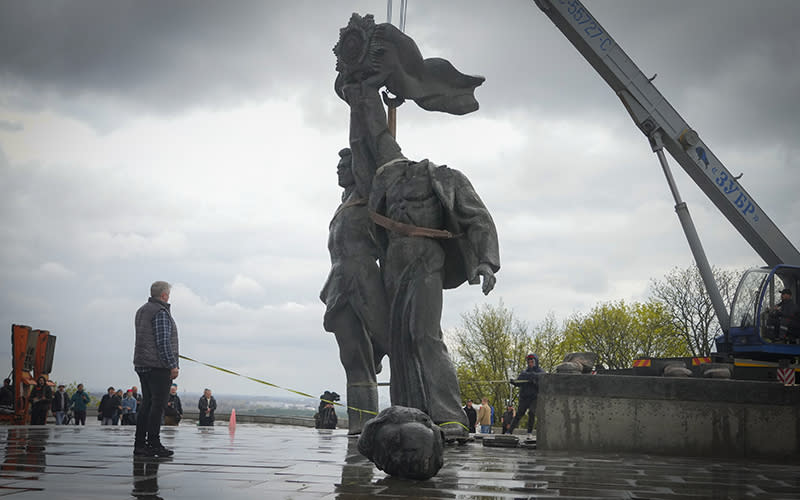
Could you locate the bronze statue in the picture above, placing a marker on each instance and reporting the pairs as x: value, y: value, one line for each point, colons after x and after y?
x: 356, y: 312
x: 432, y: 229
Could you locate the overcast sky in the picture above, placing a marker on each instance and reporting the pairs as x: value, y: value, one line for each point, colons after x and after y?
x: 195, y: 142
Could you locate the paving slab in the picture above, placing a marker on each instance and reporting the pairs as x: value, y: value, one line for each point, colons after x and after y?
x: 274, y: 461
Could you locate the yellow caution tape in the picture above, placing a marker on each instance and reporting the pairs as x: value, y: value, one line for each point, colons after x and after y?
x: 264, y: 382
x: 459, y: 423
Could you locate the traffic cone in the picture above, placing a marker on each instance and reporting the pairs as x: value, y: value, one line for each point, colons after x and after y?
x: 232, y: 421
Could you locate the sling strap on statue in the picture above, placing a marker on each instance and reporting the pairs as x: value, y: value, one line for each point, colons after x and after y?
x: 409, y: 229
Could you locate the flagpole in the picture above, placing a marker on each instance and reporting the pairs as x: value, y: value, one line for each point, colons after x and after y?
x: 391, y: 112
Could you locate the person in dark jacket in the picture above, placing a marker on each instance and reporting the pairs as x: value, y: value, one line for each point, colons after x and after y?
x: 327, y: 418
x: 207, y: 405
x: 60, y: 404
x: 528, y: 383
x: 508, y: 419
x: 109, y: 405
x: 7, y: 396
x: 472, y: 416
x: 173, y: 413
x: 117, y: 414
x: 41, y: 396
x: 79, y: 402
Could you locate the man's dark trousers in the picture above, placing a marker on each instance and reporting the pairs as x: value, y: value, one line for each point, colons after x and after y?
x: 80, y: 417
x: 155, y: 385
x: 526, y: 404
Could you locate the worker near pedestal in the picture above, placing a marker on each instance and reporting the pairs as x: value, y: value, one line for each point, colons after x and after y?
x: 528, y: 383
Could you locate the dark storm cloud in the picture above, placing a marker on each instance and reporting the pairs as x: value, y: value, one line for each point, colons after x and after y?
x: 163, y: 56
x: 166, y: 57
x: 745, y: 51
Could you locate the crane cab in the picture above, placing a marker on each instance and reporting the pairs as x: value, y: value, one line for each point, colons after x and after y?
x: 756, y: 332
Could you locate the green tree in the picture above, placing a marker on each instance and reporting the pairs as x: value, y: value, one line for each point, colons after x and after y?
x: 619, y: 332
x: 548, y: 342
x: 488, y: 349
x: 71, y: 387
x: 684, y: 296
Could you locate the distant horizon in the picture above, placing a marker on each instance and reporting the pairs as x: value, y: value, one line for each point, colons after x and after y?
x: 216, y: 394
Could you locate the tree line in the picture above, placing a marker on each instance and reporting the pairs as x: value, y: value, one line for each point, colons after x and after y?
x: 677, y: 319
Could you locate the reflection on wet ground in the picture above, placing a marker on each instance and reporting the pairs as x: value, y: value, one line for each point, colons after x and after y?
x: 256, y: 461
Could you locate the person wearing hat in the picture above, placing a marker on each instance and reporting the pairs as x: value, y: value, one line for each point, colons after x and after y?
x: 528, y: 383
x: 784, y: 316
x: 60, y: 404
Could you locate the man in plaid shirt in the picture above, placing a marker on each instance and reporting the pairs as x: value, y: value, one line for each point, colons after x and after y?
x: 155, y: 359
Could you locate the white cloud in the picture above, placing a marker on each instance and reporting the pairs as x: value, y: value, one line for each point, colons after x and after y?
x: 127, y: 245
x: 243, y: 286
x: 54, y: 270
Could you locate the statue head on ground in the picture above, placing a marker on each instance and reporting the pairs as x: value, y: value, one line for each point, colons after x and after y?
x: 403, y: 442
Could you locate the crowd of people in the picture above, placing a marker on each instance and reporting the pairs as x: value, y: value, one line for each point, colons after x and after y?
x: 528, y: 383
x: 115, y: 407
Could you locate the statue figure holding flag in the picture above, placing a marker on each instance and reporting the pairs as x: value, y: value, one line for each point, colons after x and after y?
x: 431, y: 227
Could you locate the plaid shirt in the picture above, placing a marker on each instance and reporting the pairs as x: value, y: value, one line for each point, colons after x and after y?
x: 163, y: 328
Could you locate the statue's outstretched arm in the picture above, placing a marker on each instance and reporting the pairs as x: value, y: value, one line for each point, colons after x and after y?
x: 371, y: 142
x: 368, y: 122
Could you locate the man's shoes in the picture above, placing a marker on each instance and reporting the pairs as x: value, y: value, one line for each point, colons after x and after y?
x: 152, y: 451
x: 141, y: 451
x: 160, y: 451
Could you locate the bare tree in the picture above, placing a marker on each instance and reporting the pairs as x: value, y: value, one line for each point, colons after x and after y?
x: 686, y: 299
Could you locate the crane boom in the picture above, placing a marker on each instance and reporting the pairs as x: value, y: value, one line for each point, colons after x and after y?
x: 652, y: 113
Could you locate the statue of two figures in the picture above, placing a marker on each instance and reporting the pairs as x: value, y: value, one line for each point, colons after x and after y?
x: 405, y: 230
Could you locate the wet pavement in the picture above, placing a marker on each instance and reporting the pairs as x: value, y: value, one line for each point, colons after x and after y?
x: 258, y: 461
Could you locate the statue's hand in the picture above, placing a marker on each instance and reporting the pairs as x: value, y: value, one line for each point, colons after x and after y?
x: 392, y: 102
x: 488, y: 278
